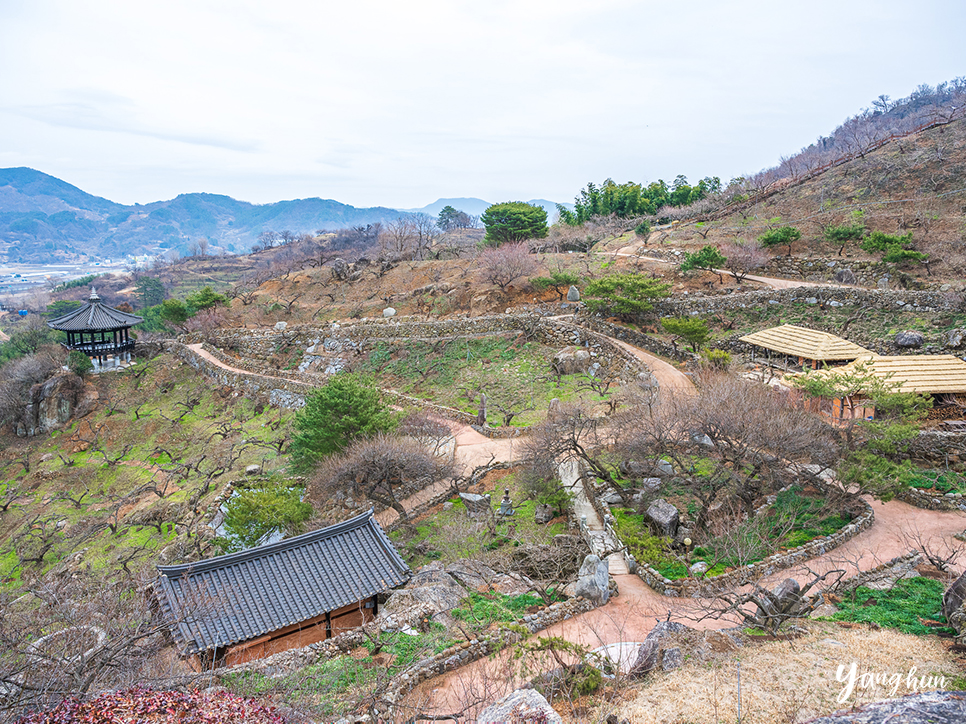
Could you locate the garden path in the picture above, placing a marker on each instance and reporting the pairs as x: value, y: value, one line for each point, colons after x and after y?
x: 634, y: 251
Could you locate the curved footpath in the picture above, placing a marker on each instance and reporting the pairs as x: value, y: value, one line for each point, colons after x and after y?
x: 631, y: 615
x: 773, y: 282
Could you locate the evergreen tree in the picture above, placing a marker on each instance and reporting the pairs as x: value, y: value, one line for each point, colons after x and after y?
x: 347, y: 408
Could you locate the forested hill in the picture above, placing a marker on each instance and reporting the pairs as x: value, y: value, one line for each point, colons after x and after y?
x: 44, y: 220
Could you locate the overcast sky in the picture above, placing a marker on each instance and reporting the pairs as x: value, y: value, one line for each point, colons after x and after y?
x: 399, y: 103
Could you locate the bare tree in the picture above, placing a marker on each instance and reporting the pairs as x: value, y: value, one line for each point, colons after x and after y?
x: 504, y: 264
x: 377, y: 468
x: 742, y: 259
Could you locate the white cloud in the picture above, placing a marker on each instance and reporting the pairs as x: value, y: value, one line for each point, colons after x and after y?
x: 399, y: 103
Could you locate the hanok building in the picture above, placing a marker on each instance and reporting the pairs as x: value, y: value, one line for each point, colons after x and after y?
x: 99, y: 331
x: 940, y: 376
x: 803, y: 347
x: 243, y: 606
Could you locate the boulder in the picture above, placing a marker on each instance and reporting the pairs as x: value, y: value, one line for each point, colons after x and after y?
x: 477, y: 505
x: 430, y: 587
x: 784, y: 599
x: 651, y: 653
x: 570, y: 360
x: 699, y: 568
x: 573, y: 294
x: 520, y: 707
x: 611, y: 498
x: 542, y: 514
x: 955, y: 338
x: 672, y: 659
x: 664, y: 517
x: 909, y: 339
x: 281, y: 326
x: 593, y: 580
x: 930, y: 707
x: 953, y: 607
x: 388, y: 312
x: 471, y: 574
x: 844, y: 276
x: 253, y: 470
x: 341, y: 269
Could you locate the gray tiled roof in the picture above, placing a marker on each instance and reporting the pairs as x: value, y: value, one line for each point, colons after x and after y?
x: 94, y: 316
x: 228, y: 599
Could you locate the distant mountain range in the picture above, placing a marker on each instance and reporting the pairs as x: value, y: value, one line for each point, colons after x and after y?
x: 46, y: 220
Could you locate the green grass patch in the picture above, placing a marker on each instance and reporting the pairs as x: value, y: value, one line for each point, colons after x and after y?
x: 487, y: 608
x: 900, y: 608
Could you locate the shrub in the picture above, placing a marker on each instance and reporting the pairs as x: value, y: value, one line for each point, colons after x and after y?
x: 79, y: 363
x: 643, y: 229
x: 718, y: 359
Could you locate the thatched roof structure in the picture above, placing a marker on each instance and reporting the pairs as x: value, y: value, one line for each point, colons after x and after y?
x: 932, y: 374
x: 794, y: 341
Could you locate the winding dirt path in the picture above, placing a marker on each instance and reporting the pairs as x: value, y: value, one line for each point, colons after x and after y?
x: 631, y: 615
x: 773, y: 282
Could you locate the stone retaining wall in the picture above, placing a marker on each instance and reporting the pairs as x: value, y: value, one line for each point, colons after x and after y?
x: 890, y: 301
x: 703, y: 587
x: 897, y: 566
x: 636, y: 338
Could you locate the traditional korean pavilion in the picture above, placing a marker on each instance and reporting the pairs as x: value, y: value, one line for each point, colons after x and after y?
x: 243, y: 606
x: 99, y: 331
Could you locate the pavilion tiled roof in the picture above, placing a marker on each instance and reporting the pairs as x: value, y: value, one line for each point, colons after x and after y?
x: 796, y: 341
x: 232, y: 598
x: 924, y: 373
x: 94, y: 316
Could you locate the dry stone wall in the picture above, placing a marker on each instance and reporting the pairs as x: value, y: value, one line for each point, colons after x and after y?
x: 697, y: 304
x: 702, y: 587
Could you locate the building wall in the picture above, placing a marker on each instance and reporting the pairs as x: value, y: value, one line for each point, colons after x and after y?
x: 308, y: 632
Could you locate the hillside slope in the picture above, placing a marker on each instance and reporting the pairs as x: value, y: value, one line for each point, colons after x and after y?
x: 44, y: 220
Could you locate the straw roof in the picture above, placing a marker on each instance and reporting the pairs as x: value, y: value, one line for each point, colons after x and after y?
x: 808, y: 343
x: 926, y: 373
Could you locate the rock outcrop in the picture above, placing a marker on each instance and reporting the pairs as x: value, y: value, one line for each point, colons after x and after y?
x: 930, y: 707
x: 54, y: 403
x: 521, y: 706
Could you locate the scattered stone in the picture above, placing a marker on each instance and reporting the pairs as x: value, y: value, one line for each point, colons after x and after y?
x: 844, y: 276
x: 571, y: 360
x: 909, y: 339
x: 341, y: 269
x: 388, y: 312
x: 699, y: 568
x: 593, y: 581
x: 448, y: 505
x: 664, y: 517
x: 477, y: 505
x: 553, y: 407
x: 573, y: 294
x: 703, y: 440
x: 612, y: 498
x: 811, y: 300
x: 523, y: 705
x: 834, y: 303
x: 542, y: 514
x: 955, y: 338
x: 280, y: 326
x: 650, y: 654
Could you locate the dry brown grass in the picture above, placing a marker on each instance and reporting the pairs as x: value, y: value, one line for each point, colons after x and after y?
x: 787, y: 681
